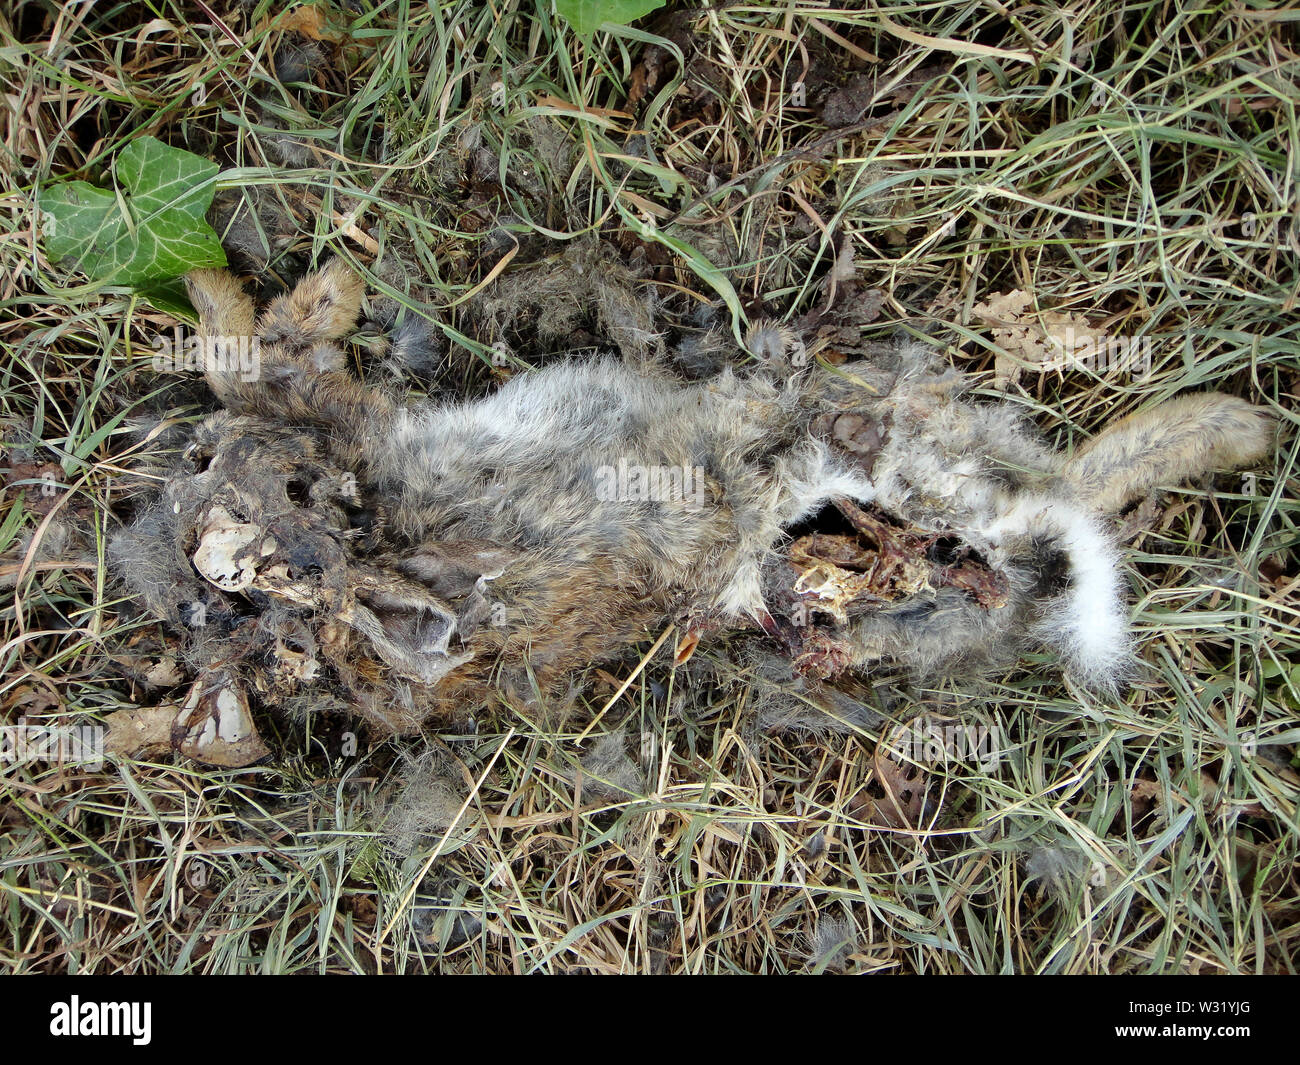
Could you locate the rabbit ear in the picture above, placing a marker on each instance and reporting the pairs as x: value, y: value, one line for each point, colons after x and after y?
x: 225, y: 309
x: 226, y: 331
x: 456, y: 568
x: 286, y: 365
x: 320, y: 309
x: 410, y: 630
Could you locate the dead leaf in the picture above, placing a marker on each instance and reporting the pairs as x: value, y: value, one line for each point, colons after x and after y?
x: 1038, y: 340
x: 686, y: 646
x: 1147, y: 795
x: 645, y: 75
x: 141, y: 730
x: 311, y: 20
x: 903, y: 803
x: 1142, y: 520
x: 41, y: 498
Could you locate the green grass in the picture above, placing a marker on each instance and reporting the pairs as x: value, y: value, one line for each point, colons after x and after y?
x: 1134, y: 162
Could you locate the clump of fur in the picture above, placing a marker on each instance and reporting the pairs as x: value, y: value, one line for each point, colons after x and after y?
x: 607, y: 771
x: 831, y: 944
x: 430, y: 805
x: 1059, y: 869
x: 584, y: 289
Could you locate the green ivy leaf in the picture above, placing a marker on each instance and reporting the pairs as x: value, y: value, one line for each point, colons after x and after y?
x: 587, y: 16
x: 151, y: 228
x: 169, y: 297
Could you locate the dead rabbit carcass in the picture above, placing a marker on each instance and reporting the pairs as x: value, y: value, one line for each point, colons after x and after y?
x: 415, y: 560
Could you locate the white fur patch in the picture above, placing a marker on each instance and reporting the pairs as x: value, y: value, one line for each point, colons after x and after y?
x: 1088, y: 623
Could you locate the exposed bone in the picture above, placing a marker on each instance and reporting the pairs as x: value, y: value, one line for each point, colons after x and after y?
x: 294, y: 666
x: 223, y: 554
x: 275, y: 580
x: 214, y: 725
